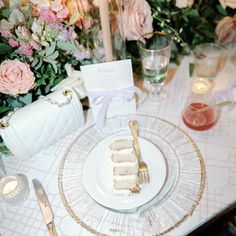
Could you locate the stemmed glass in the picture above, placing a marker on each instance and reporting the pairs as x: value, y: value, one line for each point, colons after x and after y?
x: 155, y: 51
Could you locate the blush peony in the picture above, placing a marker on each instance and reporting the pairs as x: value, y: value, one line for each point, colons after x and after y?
x: 137, y: 19
x: 15, y: 77
x: 226, y: 30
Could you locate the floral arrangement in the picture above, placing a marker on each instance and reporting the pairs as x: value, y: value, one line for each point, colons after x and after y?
x: 39, y: 38
x: 36, y: 43
x: 191, y: 23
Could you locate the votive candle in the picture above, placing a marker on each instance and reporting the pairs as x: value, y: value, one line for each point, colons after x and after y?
x: 10, y: 187
x: 14, y: 188
x: 201, y: 86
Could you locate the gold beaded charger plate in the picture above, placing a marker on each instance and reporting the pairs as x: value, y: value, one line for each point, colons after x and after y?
x: 174, y: 200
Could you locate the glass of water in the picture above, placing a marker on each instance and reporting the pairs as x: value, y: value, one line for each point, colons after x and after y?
x: 155, y: 51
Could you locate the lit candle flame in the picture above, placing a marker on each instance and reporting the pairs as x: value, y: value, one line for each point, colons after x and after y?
x: 10, y: 187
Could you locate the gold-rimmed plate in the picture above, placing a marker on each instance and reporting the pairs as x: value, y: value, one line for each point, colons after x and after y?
x: 172, y: 204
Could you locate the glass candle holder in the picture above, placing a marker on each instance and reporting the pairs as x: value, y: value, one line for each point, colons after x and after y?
x: 209, y: 59
x: 14, y: 189
x: 201, y: 85
x: 198, y: 113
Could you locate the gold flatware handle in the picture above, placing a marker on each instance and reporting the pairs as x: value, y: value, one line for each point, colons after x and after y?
x: 143, y: 167
x: 133, y: 125
x: 52, y: 229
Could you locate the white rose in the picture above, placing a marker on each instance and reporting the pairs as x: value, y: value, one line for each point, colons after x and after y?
x: 184, y: 3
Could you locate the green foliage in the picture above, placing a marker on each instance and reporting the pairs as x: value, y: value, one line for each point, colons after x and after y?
x: 4, y: 109
x: 3, y: 149
x: 4, y: 49
x: 191, y: 69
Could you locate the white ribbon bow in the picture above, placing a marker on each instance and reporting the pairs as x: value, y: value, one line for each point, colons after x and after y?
x: 104, y: 97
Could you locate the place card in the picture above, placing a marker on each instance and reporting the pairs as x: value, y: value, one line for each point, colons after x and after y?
x: 110, y: 89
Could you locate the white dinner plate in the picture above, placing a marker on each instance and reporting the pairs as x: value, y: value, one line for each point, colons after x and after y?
x: 176, y: 169
x: 97, y: 175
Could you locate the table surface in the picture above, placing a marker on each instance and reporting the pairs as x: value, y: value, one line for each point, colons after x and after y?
x: 217, y: 145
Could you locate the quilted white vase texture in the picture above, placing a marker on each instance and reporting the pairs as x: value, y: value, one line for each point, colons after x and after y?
x: 42, y: 123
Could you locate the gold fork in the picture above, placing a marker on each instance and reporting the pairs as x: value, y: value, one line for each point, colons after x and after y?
x: 135, y: 190
x: 143, y: 174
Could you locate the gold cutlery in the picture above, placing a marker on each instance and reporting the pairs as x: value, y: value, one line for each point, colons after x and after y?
x: 143, y: 174
x: 45, y: 207
x: 135, y: 189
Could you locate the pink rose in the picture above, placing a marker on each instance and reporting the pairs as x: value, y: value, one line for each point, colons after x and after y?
x: 226, y: 30
x: 15, y: 77
x: 137, y: 19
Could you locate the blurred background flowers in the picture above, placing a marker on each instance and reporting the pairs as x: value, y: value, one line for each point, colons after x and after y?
x: 193, y: 22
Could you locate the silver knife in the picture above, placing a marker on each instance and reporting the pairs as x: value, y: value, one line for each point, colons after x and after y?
x: 45, y: 207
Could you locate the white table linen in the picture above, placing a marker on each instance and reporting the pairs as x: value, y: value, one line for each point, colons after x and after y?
x: 217, y: 145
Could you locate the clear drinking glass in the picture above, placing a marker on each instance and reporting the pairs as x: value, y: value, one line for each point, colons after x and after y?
x: 209, y: 59
x: 155, y: 51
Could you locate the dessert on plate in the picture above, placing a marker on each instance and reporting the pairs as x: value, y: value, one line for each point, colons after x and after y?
x: 124, y: 165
